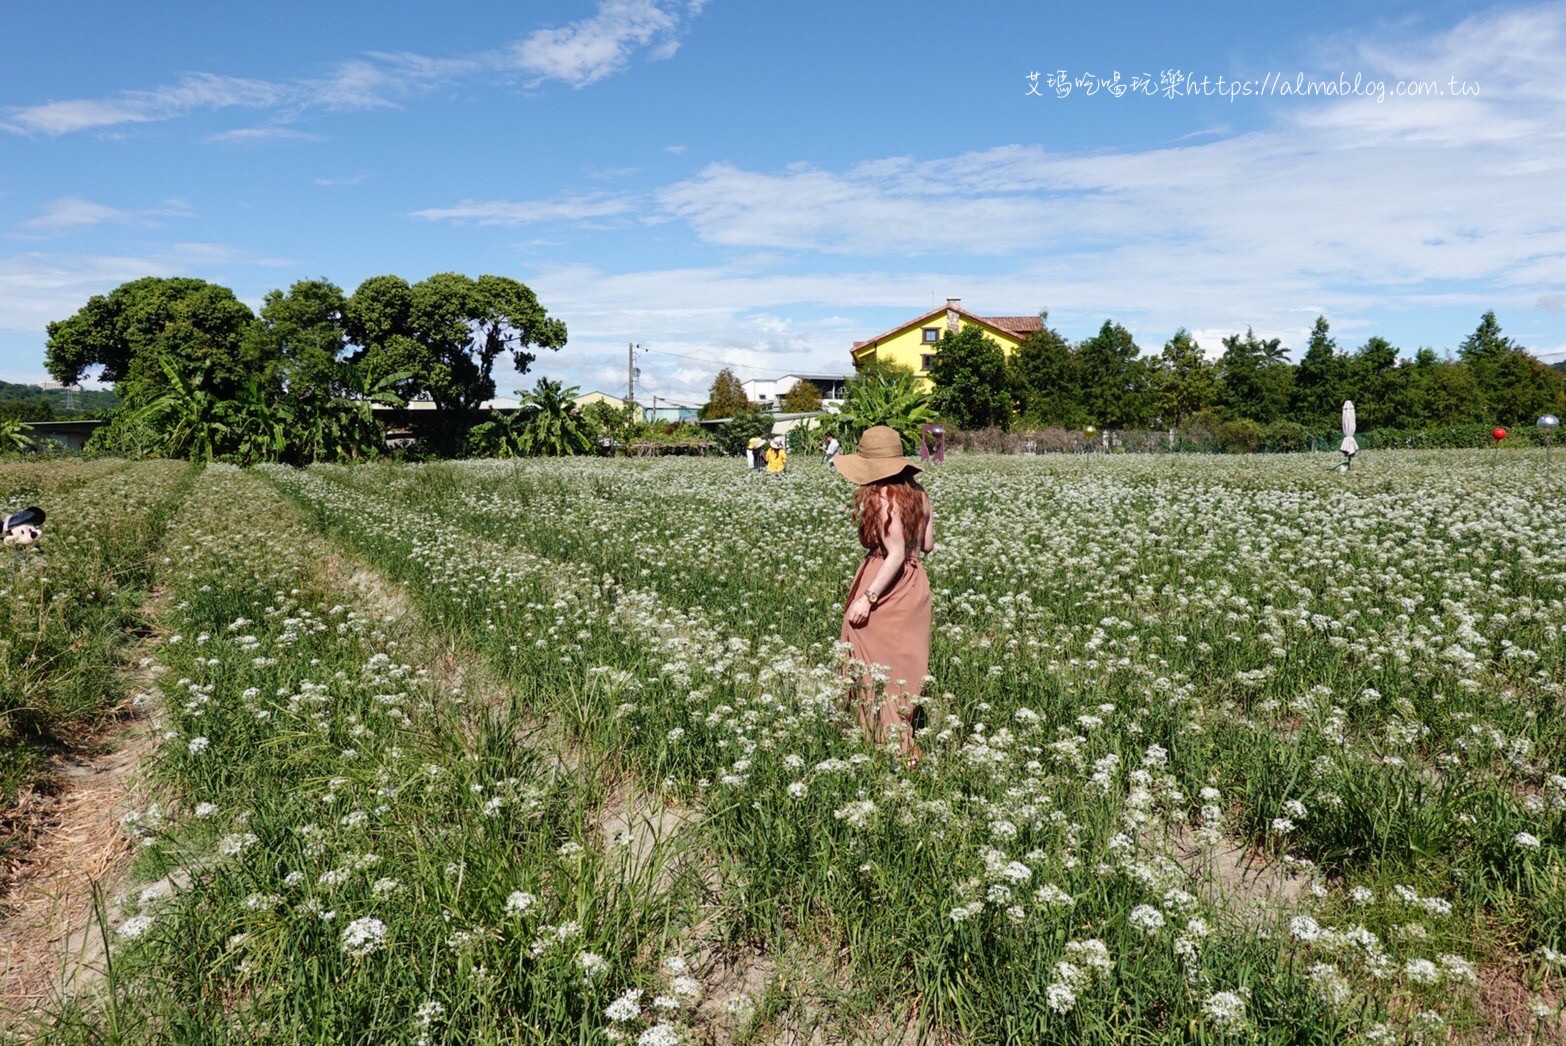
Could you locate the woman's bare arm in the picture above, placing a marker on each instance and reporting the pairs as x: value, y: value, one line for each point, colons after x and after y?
x: 896, y: 547
x: 927, y: 544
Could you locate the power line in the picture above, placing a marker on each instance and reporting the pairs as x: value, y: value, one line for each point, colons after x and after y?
x: 693, y: 359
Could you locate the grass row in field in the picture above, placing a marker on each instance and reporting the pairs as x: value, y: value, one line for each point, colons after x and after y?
x: 1381, y: 789
x: 961, y: 887
x: 66, y: 603
x: 346, y: 848
x: 24, y: 483
x: 1387, y: 655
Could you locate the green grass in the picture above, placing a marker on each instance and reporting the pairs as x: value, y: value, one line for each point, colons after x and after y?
x: 1357, y: 676
x: 68, y: 603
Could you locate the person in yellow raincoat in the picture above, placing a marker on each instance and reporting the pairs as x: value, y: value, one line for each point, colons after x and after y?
x: 777, y: 457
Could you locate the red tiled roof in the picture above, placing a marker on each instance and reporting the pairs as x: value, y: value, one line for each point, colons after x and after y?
x: 1015, y: 324
x: 1019, y: 325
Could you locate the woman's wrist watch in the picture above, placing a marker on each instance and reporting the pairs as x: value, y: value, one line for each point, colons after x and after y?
x: 871, y: 596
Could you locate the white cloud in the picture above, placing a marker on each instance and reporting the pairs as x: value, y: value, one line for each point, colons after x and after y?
x: 265, y: 133
x: 351, y: 179
x: 198, y: 91
x: 525, y: 212
x: 578, y: 54
x: 36, y: 288
x: 70, y: 213
x: 1341, y: 205
x: 588, y: 50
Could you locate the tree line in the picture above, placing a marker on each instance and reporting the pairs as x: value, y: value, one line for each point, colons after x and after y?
x: 199, y: 374
x: 1251, y: 397
x: 1109, y: 382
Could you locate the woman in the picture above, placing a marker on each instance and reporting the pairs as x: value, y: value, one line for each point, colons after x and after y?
x: 887, y: 620
x: 777, y: 457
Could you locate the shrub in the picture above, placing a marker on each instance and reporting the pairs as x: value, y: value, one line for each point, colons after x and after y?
x: 1286, y: 436
x: 733, y: 436
x: 1240, y: 436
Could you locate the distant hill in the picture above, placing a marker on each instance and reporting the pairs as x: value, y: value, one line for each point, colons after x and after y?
x: 87, y: 402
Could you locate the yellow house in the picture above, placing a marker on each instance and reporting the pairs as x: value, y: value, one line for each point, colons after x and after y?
x: 914, y: 343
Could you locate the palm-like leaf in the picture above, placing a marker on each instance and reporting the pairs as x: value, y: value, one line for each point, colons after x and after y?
x: 548, y: 423
x: 193, y: 422
x: 877, y: 400
x: 13, y: 435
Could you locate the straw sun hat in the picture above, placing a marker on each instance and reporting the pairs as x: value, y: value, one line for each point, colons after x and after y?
x: 880, y: 456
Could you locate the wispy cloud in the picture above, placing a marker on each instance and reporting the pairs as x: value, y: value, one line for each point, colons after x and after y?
x: 352, y: 179
x: 588, y: 50
x: 577, y: 54
x: 263, y: 134
x: 71, y: 214
x: 1376, y: 215
x: 199, y: 91
x: 530, y: 212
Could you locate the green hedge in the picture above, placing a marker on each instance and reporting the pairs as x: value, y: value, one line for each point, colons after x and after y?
x: 1449, y: 437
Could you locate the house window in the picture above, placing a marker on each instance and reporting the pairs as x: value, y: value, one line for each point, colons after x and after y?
x: 924, y: 361
x: 932, y: 335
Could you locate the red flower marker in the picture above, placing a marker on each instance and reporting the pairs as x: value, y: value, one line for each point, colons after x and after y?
x: 1499, y: 434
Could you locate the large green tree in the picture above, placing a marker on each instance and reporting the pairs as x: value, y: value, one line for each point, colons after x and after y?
x: 1431, y: 391
x: 1045, y: 379
x: 1321, y: 381
x: 304, y: 329
x: 1516, y: 386
x: 972, y: 388
x: 1254, y: 378
x: 1373, y: 383
x: 1117, y: 384
x: 727, y: 397
x: 1186, y: 381
x: 802, y: 398
x: 447, y: 332
x: 200, y: 329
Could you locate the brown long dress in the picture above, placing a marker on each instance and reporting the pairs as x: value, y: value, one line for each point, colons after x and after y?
x: 894, y: 643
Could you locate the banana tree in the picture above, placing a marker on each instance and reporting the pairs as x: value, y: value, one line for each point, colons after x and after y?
x: 878, y: 400
x: 191, y: 422
x: 263, y: 423
x: 349, y: 429
x: 13, y: 435
x: 548, y: 422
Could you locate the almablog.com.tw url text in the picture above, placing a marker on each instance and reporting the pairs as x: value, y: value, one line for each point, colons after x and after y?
x: 1175, y: 83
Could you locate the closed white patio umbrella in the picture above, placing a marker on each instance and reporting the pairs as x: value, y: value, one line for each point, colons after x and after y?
x: 1348, y: 446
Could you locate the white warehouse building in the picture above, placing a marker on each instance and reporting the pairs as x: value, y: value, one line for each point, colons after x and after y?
x: 770, y: 391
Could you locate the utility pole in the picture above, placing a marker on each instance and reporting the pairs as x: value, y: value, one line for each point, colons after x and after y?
x: 630, y: 372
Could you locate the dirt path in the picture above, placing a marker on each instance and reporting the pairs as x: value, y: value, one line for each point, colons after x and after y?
x: 50, y: 945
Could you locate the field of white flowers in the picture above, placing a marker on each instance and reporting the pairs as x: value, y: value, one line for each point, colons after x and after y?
x: 1217, y: 749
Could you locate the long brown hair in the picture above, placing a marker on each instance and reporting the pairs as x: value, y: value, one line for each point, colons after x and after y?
x: 874, y: 503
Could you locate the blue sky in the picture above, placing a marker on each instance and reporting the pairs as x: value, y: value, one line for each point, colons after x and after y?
x: 761, y: 185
